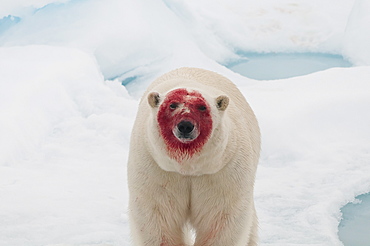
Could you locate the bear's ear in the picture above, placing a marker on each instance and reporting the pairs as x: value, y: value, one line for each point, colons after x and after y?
x: 153, y: 99
x: 222, y: 102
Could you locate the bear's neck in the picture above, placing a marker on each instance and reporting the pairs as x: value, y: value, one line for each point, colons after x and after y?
x: 207, y: 159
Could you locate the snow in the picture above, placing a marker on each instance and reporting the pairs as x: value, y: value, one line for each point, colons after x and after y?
x: 356, y: 45
x: 64, y: 143
x: 315, y: 153
x: 66, y: 118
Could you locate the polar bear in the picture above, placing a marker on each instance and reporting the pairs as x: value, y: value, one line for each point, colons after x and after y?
x: 193, y: 156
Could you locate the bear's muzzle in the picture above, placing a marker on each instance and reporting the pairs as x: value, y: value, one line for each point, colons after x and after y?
x: 185, y: 131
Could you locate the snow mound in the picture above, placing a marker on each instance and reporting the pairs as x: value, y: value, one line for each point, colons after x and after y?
x: 58, y: 118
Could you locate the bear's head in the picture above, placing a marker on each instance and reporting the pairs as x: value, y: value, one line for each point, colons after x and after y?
x: 185, y: 120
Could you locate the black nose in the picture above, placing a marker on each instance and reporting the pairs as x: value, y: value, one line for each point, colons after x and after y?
x: 185, y: 127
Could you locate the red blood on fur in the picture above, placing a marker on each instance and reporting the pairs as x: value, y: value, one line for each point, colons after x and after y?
x: 191, y: 106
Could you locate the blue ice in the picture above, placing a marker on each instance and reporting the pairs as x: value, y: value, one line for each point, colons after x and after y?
x: 272, y: 66
x: 354, y: 229
x: 7, y: 22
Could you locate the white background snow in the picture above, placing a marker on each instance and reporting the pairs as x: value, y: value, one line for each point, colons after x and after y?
x: 65, y: 118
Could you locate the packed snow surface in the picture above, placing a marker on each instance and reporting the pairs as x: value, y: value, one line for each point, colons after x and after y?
x: 65, y: 117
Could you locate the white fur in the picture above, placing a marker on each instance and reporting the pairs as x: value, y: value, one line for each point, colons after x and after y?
x: 213, y: 191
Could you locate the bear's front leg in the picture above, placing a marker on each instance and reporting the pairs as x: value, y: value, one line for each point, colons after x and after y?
x: 158, y: 207
x: 222, y: 211
x: 154, y: 224
x: 224, y: 228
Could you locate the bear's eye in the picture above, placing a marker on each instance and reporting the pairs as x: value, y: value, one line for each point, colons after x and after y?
x: 173, y: 105
x: 202, y: 108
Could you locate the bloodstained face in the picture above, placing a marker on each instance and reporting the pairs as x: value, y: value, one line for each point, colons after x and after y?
x: 185, y: 123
